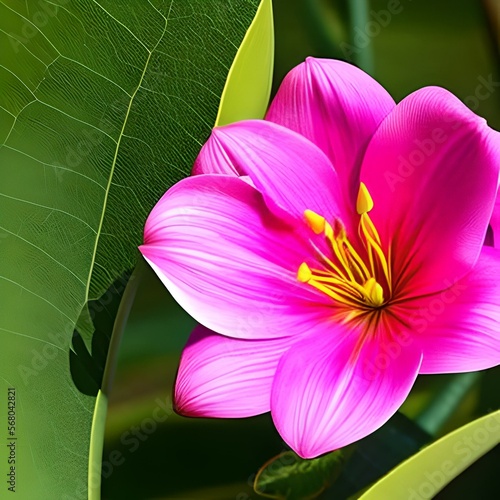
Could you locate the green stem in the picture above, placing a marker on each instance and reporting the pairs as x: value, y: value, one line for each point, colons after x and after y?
x: 444, y: 405
x: 119, y: 326
x: 359, y: 17
x: 101, y: 406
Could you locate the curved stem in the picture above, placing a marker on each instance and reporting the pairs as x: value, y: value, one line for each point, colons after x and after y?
x: 119, y: 325
x: 101, y: 406
x: 359, y: 17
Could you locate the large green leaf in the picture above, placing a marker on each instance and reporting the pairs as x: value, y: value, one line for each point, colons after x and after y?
x: 104, y: 104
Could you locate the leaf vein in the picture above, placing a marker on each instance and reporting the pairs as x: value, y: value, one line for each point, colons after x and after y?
x: 113, y: 165
x: 36, y: 295
x: 32, y: 338
x: 60, y: 167
x: 44, y: 252
x: 53, y: 209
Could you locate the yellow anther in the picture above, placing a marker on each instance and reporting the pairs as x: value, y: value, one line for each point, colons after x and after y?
x: 364, y: 203
x: 316, y: 222
x: 304, y: 273
x: 374, y: 291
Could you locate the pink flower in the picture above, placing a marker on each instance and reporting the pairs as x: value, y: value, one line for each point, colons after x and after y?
x: 332, y: 253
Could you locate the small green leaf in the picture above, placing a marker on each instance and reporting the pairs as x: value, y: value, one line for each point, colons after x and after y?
x: 287, y: 476
x: 427, y: 472
x: 248, y: 85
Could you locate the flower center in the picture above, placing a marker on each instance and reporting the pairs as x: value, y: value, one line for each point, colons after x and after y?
x: 346, y: 277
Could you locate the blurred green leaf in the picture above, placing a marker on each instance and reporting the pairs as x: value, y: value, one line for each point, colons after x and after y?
x: 290, y: 477
x: 104, y: 105
x: 427, y: 472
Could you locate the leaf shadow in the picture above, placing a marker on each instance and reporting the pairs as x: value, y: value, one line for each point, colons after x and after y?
x: 87, y: 367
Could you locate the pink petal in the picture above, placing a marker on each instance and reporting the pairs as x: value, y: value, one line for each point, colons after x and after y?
x: 338, y: 107
x: 432, y: 170
x: 459, y: 328
x: 230, y: 263
x: 227, y: 378
x: 285, y: 167
x: 325, y: 396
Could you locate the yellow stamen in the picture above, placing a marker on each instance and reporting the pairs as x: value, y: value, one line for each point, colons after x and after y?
x: 339, y: 242
x: 364, y: 203
x: 341, y: 256
x: 346, y: 278
x: 373, y: 245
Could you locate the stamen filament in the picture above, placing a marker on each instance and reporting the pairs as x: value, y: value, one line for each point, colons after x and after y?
x: 374, y: 232
x: 353, y: 286
x: 341, y: 256
x: 357, y: 260
x: 362, y: 231
x: 346, y: 259
x: 381, y: 257
x: 332, y: 294
x: 330, y: 263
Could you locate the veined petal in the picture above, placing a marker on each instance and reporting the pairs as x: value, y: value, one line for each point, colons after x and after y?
x: 228, y: 261
x: 338, y: 107
x: 459, y: 328
x: 432, y: 171
x: 226, y: 378
x: 330, y: 389
x: 285, y: 167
